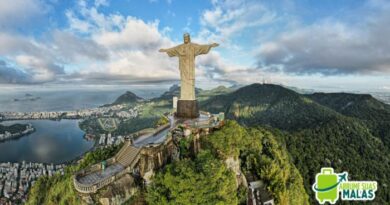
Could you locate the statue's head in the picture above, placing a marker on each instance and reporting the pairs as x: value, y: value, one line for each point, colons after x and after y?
x: 187, y: 38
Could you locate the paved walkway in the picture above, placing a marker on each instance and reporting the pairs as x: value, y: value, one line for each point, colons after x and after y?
x: 148, y: 139
x: 101, y: 175
x: 151, y: 138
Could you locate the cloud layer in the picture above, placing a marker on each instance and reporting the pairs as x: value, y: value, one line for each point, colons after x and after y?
x: 258, y: 42
x: 18, y: 13
x: 8, y: 74
x: 332, y: 47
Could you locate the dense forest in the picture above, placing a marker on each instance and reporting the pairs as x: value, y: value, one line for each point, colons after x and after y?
x: 363, y: 107
x: 346, y: 131
x: 204, y: 179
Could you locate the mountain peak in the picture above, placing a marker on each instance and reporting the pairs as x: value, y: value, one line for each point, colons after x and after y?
x: 265, y: 93
x: 127, y: 97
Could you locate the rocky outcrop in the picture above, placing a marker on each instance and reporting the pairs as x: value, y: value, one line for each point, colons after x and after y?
x: 234, y: 164
x: 118, y: 192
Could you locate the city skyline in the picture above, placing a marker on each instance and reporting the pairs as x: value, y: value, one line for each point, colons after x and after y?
x: 323, y: 45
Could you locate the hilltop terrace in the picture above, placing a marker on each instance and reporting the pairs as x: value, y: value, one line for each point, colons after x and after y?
x: 149, y: 145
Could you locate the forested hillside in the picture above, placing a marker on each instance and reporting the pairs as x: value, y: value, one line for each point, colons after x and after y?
x: 372, y: 112
x: 271, y: 105
x: 204, y: 179
x: 317, y: 134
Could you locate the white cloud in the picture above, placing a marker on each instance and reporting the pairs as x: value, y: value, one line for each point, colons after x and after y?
x: 354, y: 45
x: 43, y: 61
x: 9, y: 74
x: 102, y: 46
x: 40, y: 69
x: 132, y: 45
x: 72, y: 48
x: 213, y: 62
x: 111, y: 46
x: 11, y: 44
x: 228, y: 22
x: 331, y: 47
x: 14, y: 13
x: 34, y: 63
x: 229, y: 18
x: 101, y: 3
x: 77, y: 24
x: 139, y: 64
x: 134, y: 34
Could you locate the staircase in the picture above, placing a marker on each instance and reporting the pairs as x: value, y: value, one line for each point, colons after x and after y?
x: 128, y: 155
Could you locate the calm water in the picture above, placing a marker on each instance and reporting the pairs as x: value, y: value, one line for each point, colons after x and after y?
x: 64, y: 99
x: 52, y: 142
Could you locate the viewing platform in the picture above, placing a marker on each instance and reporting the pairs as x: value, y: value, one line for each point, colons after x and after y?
x: 149, y: 150
x: 99, y: 175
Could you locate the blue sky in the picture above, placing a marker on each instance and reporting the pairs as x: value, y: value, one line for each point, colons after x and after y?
x: 327, y: 45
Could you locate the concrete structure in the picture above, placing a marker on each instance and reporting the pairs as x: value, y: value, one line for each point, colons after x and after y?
x: 148, y: 151
x: 95, y: 177
x: 258, y: 194
x: 175, y: 99
x: 187, y: 109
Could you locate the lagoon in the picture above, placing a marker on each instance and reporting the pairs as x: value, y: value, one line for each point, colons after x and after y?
x: 52, y: 142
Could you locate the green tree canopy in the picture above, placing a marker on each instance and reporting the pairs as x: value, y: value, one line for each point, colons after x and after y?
x: 263, y: 156
x: 204, y: 180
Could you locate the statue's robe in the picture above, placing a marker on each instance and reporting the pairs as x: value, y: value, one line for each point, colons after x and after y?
x: 187, y: 53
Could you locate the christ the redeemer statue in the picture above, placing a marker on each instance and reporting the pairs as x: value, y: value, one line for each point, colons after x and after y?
x: 187, y: 53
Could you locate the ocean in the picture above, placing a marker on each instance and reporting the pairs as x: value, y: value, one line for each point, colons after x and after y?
x: 27, y: 99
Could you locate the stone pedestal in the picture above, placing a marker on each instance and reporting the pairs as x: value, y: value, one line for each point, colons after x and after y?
x: 187, y: 109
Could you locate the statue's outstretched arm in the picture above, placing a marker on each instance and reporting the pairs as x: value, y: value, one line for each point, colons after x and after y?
x: 214, y: 45
x: 170, y: 51
x: 204, y: 49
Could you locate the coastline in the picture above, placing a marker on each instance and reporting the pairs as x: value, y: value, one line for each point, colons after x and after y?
x: 14, y: 136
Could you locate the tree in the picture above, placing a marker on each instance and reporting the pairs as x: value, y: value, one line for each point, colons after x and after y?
x: 205, y: 180
x: 263, y: 156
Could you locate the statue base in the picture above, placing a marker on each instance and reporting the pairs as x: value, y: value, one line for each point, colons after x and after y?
x: 187, y: 109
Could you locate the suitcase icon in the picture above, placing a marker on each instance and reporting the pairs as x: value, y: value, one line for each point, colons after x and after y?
x: 325, y: 181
